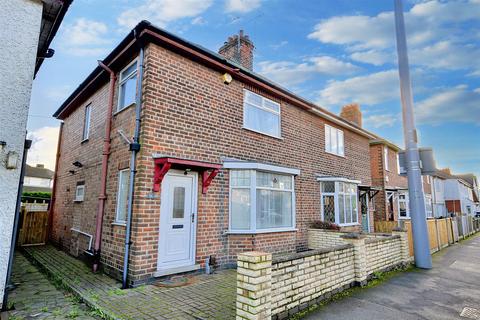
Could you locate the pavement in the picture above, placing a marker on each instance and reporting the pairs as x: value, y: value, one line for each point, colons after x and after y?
x: 36, y: 297
x: 451, y: 287
x: 202, y: 297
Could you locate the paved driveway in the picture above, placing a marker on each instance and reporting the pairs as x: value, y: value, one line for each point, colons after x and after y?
x: 441, y: 293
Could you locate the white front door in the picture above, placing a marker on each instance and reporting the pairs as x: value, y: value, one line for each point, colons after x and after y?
x: 176, y: 246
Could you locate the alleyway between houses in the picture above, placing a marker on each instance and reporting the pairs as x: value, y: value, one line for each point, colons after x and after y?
x: 452, y: 286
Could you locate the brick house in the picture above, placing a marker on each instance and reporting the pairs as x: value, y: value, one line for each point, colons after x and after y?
x: 223, y: 160
x: 391, y: 202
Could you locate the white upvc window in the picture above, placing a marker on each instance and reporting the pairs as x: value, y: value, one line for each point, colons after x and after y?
x: 398, y: 164
x: 403, y: 209
x: 339, y: 202
x: 261, y: 201
x: 261, y: 114
x: 86, y: 122
x: 127, y: 89
x: 80, y: 192
x: 334, y: 141
x: 385, y: 157
x: 122, y: 196
x: 428, y: 205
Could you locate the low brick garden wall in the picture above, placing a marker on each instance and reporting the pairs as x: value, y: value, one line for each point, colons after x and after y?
x: 322, y: 238
x: 278, y: 287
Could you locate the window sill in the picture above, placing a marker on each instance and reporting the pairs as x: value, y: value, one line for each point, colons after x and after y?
x: 233, y: 232
x: 123, y: 109
x: 349, y: 224
x: 263, y: 133
x: 120, y: 224
x: 335, y: 154
x: 84, y: 141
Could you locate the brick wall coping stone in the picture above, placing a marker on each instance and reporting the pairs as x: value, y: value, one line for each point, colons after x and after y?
x: 390, y: 237
x: 279, y: 258
x: 327, y: 230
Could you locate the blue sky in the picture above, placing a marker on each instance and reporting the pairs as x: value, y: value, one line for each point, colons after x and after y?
x: 330, y: 52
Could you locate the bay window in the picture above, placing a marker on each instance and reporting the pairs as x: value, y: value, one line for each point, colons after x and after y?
x: 339, y: 202
x: 261, y: 201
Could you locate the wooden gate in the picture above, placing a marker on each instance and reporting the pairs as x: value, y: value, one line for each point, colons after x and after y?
x: 33, y: 227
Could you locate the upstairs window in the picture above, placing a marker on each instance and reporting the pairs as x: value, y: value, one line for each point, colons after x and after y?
x: 334, y: 141
x: 385, y: 158
x: 86, y: 122
x: 128, y: 86
x: 261, y: 114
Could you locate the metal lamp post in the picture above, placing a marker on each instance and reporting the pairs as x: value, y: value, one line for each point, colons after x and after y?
x: 421, y: 245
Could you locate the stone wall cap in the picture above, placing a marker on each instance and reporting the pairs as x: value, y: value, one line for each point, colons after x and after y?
x: 278, y: 258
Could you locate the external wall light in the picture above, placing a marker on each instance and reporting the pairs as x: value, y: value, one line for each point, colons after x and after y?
x: 12, y: 160
x: 227, y: 78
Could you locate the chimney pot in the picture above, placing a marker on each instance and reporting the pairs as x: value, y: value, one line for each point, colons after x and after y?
x: 352, y: 113
x: 239, y: 48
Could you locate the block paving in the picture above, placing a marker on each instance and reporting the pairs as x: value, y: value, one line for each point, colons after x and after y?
x: 205, y: 297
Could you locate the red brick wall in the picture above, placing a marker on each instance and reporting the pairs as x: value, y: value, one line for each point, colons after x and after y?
x: 188, y: 112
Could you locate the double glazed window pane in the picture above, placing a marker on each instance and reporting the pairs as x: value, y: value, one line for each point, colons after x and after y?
x: 240, y: 178
x: 178, y: 203
x: 329, y: 208
x: 271, y: 180
x: 274, y: 209
x: 127, y: 92
x: 334, y: 141
x: 240, y: 215
x: 261, y: 120
x: 122, y: 201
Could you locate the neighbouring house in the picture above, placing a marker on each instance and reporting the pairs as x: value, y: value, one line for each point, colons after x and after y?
x: 438, y: 194
x: 223, y: 160
x: 28, y: 27
x: 392, y: 200
x: 37, y: 179
x: 472, y: 180
x: 459, y: 195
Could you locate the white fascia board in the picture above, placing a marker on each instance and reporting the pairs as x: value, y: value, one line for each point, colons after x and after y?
x: 341, y: 179
x: 260, y: 166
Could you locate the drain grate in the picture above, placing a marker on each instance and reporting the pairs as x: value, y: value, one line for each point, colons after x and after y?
x: 470, y: 313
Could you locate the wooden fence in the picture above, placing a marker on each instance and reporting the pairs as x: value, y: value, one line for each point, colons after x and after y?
x: 33, y: 227
x: 441, y: 232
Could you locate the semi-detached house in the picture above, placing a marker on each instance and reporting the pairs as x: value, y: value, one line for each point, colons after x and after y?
x: 225, y: 160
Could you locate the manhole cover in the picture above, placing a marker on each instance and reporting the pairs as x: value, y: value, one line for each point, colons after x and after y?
x: 175, y: 281
x: 470, y: 313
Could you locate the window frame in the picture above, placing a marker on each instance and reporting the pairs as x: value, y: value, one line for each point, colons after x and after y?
x: 328, y: 146
x: 253, y: 202
x: 123, y: 80
x: 117, y: 206
x: 336, y: 201
x: 385, y: 158
x: 80, y: 185
x: 407, y: 205
x: 86, y: 122
x: 279, y: 113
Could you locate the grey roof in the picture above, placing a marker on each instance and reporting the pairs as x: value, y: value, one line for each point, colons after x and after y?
x: 36, y: 172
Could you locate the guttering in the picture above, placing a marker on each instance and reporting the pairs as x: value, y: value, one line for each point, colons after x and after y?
x: 134, y: 148
x: 103, y: 176
x: 54, y: 187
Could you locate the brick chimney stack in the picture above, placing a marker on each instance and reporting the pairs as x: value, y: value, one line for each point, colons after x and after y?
x: 446, y: 170
x: 239, y: 48
x: 351, y: 112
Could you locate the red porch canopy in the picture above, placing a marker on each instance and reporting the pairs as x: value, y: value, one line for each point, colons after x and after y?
x: 162, y: 165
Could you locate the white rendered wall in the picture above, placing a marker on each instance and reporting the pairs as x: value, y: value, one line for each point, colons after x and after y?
x: 18, y: 43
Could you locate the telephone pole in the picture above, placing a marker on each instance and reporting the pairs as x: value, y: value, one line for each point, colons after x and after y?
x: 421, y: 245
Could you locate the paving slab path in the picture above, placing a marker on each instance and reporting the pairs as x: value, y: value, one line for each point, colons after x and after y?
x: 444, y: 292
x: 36, y: 297
x: 206, y: 297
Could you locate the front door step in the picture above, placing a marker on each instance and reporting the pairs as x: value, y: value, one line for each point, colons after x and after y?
x: 169, y: 271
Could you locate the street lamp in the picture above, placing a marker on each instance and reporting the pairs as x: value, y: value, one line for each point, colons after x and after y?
x: 421, y: 245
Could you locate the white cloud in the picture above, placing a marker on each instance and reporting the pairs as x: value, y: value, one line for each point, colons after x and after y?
x: 161, y: 12
x: 44, y: 147
x: 198, y: 21
x: 375, y: 57
x: 370, y: 89
x: 431, y: 26
x: 241, y: 6
x: 289, y: 73
x: 381, y: 120
x: 458, y: 104
x: 85, y: 37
